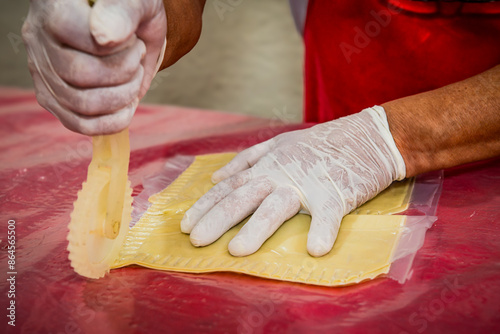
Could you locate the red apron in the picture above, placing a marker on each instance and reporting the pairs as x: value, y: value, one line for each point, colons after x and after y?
x: 367, y: 52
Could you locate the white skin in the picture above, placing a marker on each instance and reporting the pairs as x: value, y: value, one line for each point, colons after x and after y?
x: 91, y: 66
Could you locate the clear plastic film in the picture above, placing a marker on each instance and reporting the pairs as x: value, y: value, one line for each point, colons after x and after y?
x: 376, y: 239
x: 421, y: 212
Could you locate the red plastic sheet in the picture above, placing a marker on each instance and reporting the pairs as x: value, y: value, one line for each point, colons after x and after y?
x: 455, y: 285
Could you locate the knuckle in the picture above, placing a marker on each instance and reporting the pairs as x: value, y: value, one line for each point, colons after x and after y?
x: 83, y: 126
x: 43, y: 99
x: 97, y: 101
x: 27, y: 32
x: 75, y: 72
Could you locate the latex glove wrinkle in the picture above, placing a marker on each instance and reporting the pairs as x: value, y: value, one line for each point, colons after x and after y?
x: 326, y: 171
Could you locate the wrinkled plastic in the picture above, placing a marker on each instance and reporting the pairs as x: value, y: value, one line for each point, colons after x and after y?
x: 172, y: 169
x: 426, y: 193
x: 455, y: 286
x: 299, y: 171
x: 421, y: 211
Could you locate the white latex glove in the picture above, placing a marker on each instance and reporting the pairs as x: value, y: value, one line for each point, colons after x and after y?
x: 326, y: 171
x: 92, y: 65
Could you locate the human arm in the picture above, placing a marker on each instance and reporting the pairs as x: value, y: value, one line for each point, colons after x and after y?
x: 332, y: 168
x: 449, y: 126
x: 184, y: 21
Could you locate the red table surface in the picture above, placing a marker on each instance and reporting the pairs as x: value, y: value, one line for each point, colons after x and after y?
x: 455, y: 285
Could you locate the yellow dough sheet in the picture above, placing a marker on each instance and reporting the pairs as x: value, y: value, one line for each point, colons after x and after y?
x: 363, y: 249
x: 394, y: 199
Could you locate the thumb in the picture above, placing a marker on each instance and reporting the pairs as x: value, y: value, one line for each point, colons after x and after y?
x: 114, y: 21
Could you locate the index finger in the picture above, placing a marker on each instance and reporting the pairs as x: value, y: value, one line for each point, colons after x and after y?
x: 211, y: 198
x: 244, y: 160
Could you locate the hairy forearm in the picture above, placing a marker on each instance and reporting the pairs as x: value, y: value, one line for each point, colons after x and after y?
x: 183, y: 28
x: 449, y: 126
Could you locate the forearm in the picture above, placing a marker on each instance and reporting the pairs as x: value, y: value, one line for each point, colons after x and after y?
x: 184, y: 20
x: 449, y: 126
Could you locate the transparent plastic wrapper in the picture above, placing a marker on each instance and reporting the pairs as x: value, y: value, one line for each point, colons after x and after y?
x: 421, y: 215
x: 425, y: 196
x: 405, y: 237
x: 156, y: 183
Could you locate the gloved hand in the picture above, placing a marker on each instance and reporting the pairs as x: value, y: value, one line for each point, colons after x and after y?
x: 91, y: 65
x: 326, y: 171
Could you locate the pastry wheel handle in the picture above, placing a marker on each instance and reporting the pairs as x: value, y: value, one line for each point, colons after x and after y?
x: 111, y: 156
